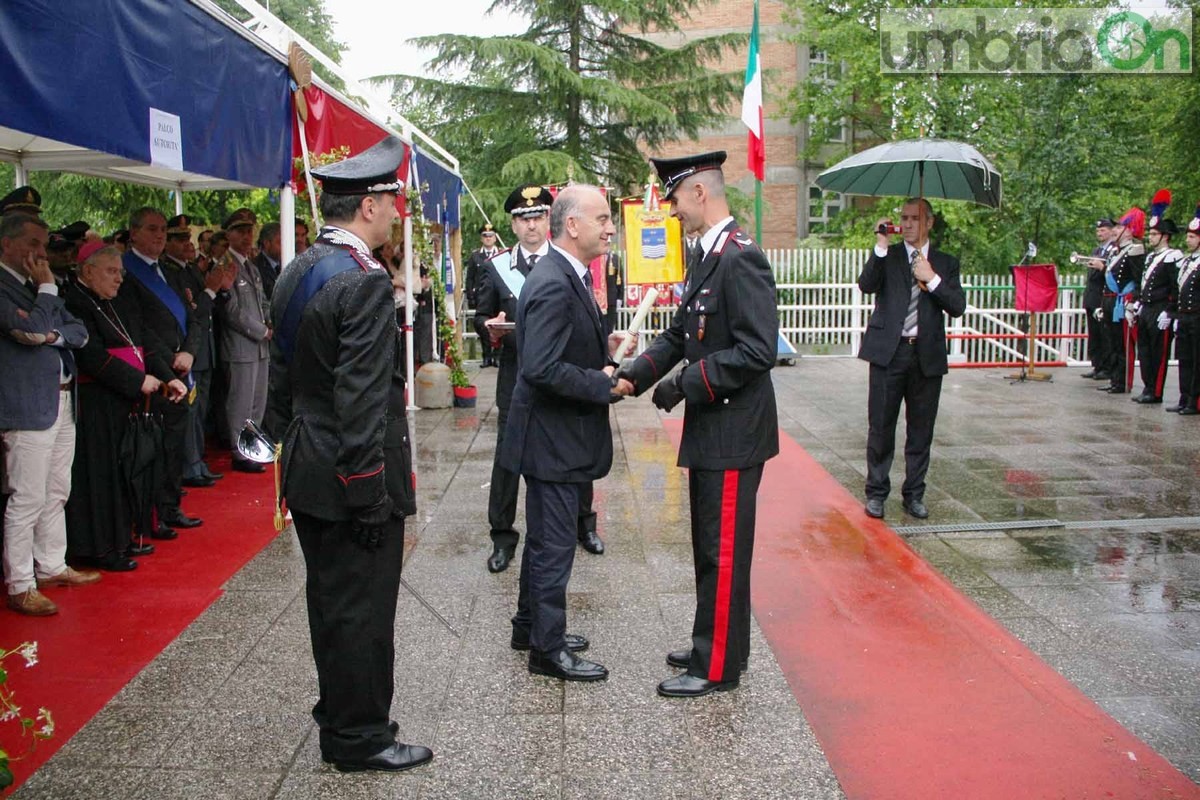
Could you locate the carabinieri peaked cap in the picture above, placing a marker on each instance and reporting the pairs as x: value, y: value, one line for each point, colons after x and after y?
x: 23, y: 199
x: 529, y: 200
x: 673, y: 171
x: 372, y: 170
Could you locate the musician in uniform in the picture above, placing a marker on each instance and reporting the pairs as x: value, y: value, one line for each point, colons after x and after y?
x: 725, y: 333
x: 476, y: 263
x: 1121, y: 276
x: 1093, y: 299
x: 1185, y: 316
x: 1158, y: 287
x: 347, y: 476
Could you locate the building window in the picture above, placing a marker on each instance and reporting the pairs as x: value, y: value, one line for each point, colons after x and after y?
x: 822, y: 208
x: 825, y: 70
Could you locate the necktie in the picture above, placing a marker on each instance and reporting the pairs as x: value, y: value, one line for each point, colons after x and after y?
x: 31, y: 286
x: 910, y: 319
x: 587, y: 281
x: 532, y: 260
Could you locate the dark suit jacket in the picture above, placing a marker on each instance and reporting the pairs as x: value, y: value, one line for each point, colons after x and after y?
x: 269, y: 274
x: 190, y: 283
x: 558, y: 427
x: 32, y: 373
x: 156, y: 317
x: 341, y: 399
x: 890, y: 280
x: 729, y: 418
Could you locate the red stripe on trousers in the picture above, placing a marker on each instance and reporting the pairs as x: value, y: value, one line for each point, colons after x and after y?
x: 1161, y: 381
x: 729, y: 492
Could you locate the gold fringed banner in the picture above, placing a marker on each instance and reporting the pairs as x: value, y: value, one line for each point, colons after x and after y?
x: 653, y: 244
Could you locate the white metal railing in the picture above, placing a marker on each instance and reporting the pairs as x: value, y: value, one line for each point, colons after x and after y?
x: 822, y: 312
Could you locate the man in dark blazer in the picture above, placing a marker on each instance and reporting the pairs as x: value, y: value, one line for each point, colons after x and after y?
x: 905, y: 342
x: 558, y: 434
x: 726, y: 332
x: 161, y: 294
x: 338, y: 390
x: 1093, y: 299
x: 475, y: 267
x: 270, y: 250
x: 37, y: 416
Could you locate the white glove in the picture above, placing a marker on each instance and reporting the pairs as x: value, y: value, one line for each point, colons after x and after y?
x: 1130, y: 315
x: 1164, y: 321
x: 1098, y: 315
x: 1175, y: 326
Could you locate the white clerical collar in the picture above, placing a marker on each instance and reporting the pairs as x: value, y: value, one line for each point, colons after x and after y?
x: 709, y: 239
x: 575, y: 263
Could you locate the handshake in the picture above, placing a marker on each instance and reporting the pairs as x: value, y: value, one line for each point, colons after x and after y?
x: 667, y: 394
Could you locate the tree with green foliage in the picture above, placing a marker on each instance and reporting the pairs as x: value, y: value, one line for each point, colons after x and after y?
x: 1070, y: 148
x: 575, y: 95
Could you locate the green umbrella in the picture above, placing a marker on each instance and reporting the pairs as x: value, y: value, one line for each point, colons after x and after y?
x: 917, y: 168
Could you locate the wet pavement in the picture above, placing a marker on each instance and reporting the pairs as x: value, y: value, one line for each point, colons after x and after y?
x: 1108, y: 593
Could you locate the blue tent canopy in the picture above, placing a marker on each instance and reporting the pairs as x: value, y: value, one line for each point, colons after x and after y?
x: 148, y: 91
x: 444, y: 187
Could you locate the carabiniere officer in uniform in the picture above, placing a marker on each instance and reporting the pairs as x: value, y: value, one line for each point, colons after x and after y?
x: 726, y: 333
x: 347, y: 470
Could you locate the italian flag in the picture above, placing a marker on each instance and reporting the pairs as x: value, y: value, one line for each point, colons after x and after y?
x: 752, y: 106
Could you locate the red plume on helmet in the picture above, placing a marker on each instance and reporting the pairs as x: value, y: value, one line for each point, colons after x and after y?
x: 1158, y: 205
x: 1135, y: 220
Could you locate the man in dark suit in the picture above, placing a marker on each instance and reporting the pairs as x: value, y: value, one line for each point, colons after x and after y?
x: 725, y: 331
x: 558, y: 434
x: 270, y: 250
x: 37, y: 416
x: 337, y: 387
x: 1093, y: 299
x: 476, y: 264
x: 905, y: 342
x: 161, y: 295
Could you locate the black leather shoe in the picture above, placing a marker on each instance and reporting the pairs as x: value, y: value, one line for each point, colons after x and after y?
x: 163, y: 533
x: 592, y: 543
x: 199, y: 482
x: 1173, y: 409
x: 499, y: 559
x: 181, y: 520
x: 566, y: 666
x: 115, y: 562
x: 690, y: 686
x: 393, y: 729
x: 1145, y: 399
x: 575, y: 642
x: 1089, y: 375
x: 916, y: 508
x: 1101, y: 375
x: 241, y: 465
x: 394, y: 758
x: 136, y: 549
x: 874, y: 507
x: 1188, y: 411
x: 1114, y: 389
x: 679, y: 658
x: 215, y: 476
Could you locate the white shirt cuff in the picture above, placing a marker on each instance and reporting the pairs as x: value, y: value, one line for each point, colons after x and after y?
x: 934, y: 282
x: 881, y: 251
x: 212, y: 295
x: 48, y: 288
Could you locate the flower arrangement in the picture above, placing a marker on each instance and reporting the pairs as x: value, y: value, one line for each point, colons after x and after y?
x: 37, y: 728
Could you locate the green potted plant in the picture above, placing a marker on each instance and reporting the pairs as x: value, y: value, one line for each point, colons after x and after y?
x: 37, y: 728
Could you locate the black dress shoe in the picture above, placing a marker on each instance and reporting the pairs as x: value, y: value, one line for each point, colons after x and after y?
x: 394, y: 758
x: 679, y: 658
x: 916, y: 508
x: 1101, y: 375
x: 1147, y: 399
x: 163, y: 533
x: 575, y: 642
x: 1114, y: 389
x: 181, y: 520
x: 136, y: 549
x: 199, y: 482
x: 393, y: 729
x: 208, y: 473
x: 592, y: 543
x: 1088, y: 375
x: 242, y: 465
x: 690, y: 686
x: 499, y: 559
x: 1188, y: 411
x: 874, y: 507
x: 1173, y: 409
x: 115, y: 562
x: 566, y: 666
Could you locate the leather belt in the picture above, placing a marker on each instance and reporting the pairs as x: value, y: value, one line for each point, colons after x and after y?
x: 1110, y: 294
x: 908, y: 340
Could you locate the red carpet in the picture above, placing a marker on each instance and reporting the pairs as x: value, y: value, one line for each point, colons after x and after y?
x: 912, y: 690
x: 105, y: 633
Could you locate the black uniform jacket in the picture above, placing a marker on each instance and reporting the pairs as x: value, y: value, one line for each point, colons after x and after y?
x: 156, y: 317
x: 1187, y: 301
x: 727, y: 328
x: 1160, y: 281
x: 190, y: 286
x: 341, y: 397
x: 494, y: 296
x: 558, y: 427
x: 890, y: 280
x: 475, y: 267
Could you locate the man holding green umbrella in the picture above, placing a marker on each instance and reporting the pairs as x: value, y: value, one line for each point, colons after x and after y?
x: 915, y: 286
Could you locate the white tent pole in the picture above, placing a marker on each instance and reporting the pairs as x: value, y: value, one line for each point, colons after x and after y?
x: 308, y: 179
x: 179, y: 198
x: 287, y: 224
x: 409, y: 341
x: 19, y: 175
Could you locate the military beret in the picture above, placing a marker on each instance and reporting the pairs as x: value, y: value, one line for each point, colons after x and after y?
x: 24, y: 199
x: 239, y: 219
x: 673, y: 171
x: 373, y: 170
x: 181, y: 225
x: 529, y: 200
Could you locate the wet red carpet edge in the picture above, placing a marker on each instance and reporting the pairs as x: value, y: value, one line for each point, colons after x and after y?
x: 105, y: 633
x: 912, y: 690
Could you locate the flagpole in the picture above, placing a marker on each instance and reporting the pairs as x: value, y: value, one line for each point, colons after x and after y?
x: 758, y: 211
x: 752, y: 117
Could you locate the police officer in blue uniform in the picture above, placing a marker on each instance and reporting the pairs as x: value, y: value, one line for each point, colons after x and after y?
x: 338, y: 389
x: 725, y: 333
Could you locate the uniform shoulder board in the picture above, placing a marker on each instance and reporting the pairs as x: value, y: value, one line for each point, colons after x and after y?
x: 1173, y: 255
x: 742, y: 239
x: 1137, y: 249
x: 366, y: 262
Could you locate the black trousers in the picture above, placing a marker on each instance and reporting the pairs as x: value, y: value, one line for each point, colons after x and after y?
x: 1153, y: 349
x: 485, y: 338
x: 901, y: 380
x: 1119, y: 340
x: 351, y: 593
x: 552, y: 512
x: 1187, y: 351
x: 723, y: 508
x: 1098, y: 352
x: 176, y: 419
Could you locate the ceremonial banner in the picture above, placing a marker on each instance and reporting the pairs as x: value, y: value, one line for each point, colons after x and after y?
x: 653, y: 244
